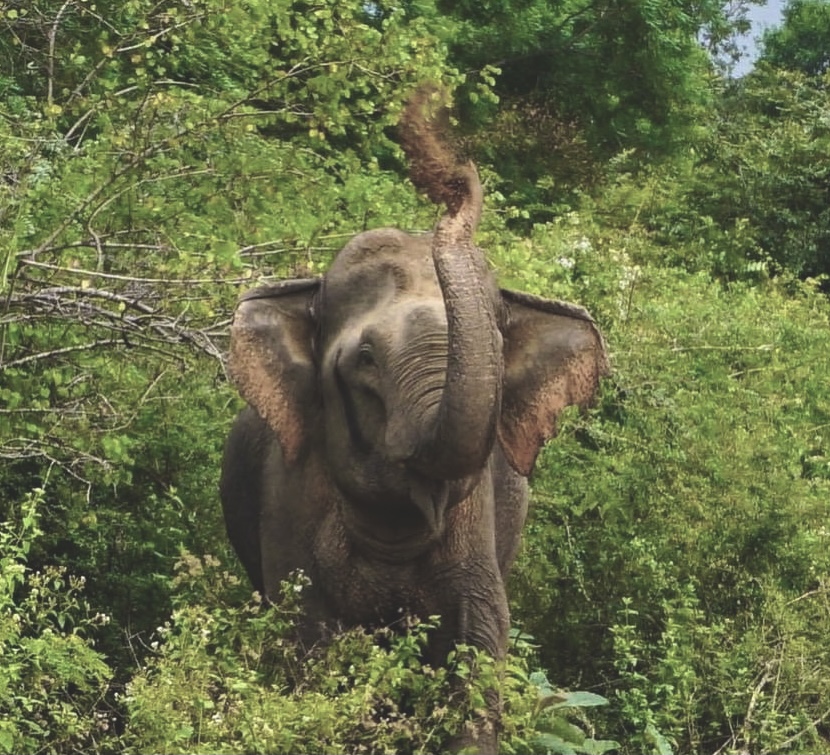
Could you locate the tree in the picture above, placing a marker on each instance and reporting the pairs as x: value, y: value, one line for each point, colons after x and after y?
x: 751, y: 197
x: 582, y: 80
x: 623, y: 69
x: 802, y: 41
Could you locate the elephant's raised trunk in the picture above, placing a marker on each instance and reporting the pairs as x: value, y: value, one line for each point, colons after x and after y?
x: 465, y: 428
x: 466, y: 425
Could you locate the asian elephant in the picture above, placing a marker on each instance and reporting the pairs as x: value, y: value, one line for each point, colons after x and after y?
x: 396, y: 409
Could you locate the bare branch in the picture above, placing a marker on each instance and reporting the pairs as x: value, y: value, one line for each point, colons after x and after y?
x: 782, y: 746
x: 95, y: 292
x: 27, y: 262
x: 53, y: 34
x: 146, y: 328
x: 57, y: 352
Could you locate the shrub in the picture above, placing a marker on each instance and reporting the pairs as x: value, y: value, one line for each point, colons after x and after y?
x: 231, y: 678
x: 52, y: 680
x: 681, y: 534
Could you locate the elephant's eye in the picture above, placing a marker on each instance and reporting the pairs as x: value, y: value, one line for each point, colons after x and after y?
x: 365, y: 356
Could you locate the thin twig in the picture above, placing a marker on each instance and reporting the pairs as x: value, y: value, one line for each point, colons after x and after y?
x: 53, y: 33
x: 96, y: 292
x: 706, y: 347
x: 26, y: 262
x: 766, y: 677
x: 58, y: 352
x: 782, y: 746
x: 823, y: 590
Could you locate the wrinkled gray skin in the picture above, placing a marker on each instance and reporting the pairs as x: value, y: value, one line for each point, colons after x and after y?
x: 396, y: 408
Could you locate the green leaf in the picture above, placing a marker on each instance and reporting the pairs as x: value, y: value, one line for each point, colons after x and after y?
x: 556, y: 699
x: 567, y: 731
x: 660, y: 742
x: 6, y: 740
x: 580, y: 700
x: 599, y: 746
x: 553, y: 744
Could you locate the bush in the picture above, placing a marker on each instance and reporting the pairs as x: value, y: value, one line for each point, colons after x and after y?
x: 231, y: 678
x: 52, y: 680
x: 681, y: 534
x: 225, y: 677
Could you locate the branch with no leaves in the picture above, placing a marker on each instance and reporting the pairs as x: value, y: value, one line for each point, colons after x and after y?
x: 146, y: 328
x: 86, y: 273
x: 53, y: 34
x: 60, y: 352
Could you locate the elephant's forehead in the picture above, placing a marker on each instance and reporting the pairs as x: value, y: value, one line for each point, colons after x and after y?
x: 382, y: 264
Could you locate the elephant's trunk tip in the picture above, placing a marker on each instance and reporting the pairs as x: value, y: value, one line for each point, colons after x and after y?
x: 434, y: 167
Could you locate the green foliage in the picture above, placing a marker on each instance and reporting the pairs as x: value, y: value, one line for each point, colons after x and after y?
x: 748, y: 199
x: 225, y: 679
x: 154, y: 159
x: 52, y: 680
x: 578, y: 82
x: 626, y: 72
x: 217, y: 686
x: 672, y: 529
x: 556, y: 733
x: 802, y: 41
x: 229, y: 678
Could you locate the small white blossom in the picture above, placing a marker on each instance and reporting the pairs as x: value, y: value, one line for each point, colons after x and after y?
x: 629, y: 276
x: 567, y: 262
x: 583, y: 245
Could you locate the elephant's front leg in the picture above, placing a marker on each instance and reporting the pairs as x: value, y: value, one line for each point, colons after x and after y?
x: 481, y: 620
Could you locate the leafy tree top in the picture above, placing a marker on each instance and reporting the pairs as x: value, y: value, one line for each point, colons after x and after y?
x: 802, y: 42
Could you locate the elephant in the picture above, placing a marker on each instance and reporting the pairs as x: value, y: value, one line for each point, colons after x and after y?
x: 396, y: 406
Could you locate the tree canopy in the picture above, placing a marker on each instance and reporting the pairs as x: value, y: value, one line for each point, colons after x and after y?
x: 802, y: 41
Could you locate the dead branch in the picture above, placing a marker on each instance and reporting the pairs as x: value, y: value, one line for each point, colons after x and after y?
x: 50, y: 65
x: 86, y: 273
x: 58, y: 352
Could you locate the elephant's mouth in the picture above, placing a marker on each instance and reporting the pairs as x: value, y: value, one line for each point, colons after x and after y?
x: 431, y: 499
x: 397, y: 533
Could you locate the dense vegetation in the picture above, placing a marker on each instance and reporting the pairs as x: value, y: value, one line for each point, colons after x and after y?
x: 157, y: 159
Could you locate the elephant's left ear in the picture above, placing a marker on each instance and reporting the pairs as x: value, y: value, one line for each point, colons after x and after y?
x: 272, y: 357
x: 554, y: 356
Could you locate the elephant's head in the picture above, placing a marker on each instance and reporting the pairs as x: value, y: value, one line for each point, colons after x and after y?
x: 401, y: 388
x: 405, y: 364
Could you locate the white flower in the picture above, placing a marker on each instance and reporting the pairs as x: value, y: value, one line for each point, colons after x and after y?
x: 630, y: 275
x: 583, y: 245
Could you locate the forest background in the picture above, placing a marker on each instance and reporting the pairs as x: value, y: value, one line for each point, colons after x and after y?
x: 158, y: 158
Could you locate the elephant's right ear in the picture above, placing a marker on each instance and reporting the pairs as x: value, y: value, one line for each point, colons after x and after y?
x: 271, y: 357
